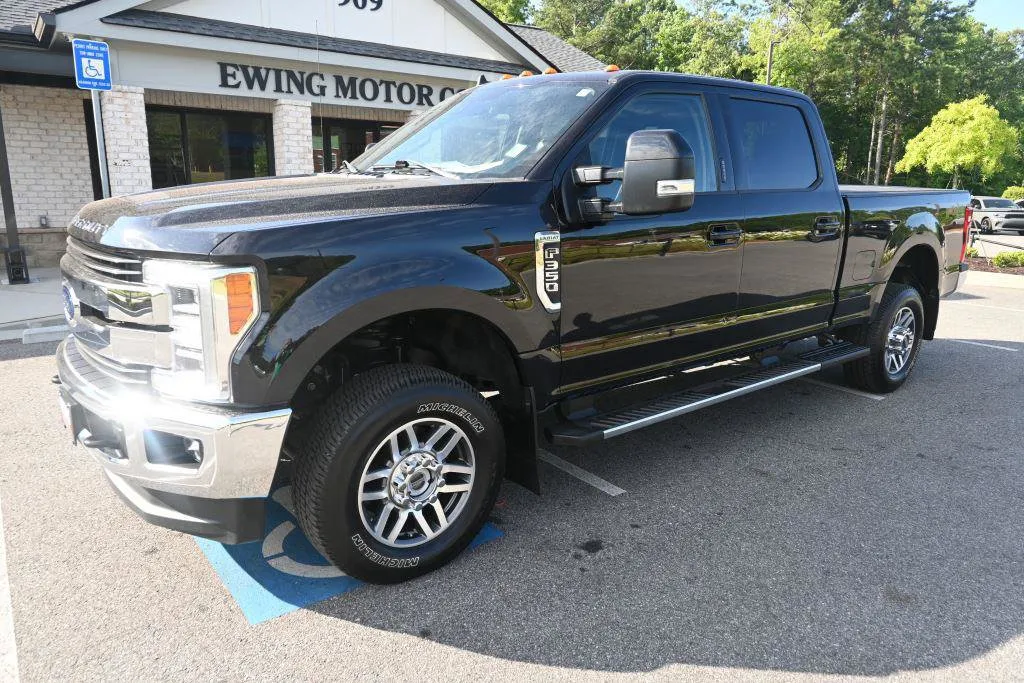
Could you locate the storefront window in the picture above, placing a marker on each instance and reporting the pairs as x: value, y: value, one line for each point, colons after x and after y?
x: 337, y: 140
x: 189, y: 146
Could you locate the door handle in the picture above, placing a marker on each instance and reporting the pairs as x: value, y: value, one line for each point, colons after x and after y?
x: 826, y: 227
x: 724, y: 235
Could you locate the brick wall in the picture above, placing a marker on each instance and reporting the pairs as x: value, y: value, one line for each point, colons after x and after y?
x: 127, y: 140
x: 48, y: 152
x: 293, y: 137
x: 43, y: 248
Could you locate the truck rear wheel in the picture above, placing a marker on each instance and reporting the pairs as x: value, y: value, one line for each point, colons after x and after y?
x: 894, y: 337
x: 398, y: 473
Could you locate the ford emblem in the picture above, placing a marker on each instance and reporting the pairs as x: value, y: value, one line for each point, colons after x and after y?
x: 70, y: 303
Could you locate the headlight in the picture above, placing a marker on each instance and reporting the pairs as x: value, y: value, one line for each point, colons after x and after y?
x: 212, y: 307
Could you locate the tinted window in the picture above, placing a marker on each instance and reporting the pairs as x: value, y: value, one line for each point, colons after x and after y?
x: 998, y: 204
x: 683, y: 113
x: 774, y: 146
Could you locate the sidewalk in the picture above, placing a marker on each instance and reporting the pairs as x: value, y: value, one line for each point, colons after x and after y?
x: 1005, y: 280
x: 37, y: 304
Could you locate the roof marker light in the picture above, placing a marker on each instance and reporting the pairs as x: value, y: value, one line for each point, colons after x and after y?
x: 550, y: 70
x: 526, y: 73
x: 612, y: 67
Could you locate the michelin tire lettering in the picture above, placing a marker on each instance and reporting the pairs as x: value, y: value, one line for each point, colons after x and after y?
x: 384, y: 561
x: 476, y: 424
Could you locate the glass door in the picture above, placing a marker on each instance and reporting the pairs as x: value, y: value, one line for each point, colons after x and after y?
x: 338, y: 140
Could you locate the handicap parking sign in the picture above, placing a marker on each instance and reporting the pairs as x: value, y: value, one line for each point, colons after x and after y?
x: 92, y: 64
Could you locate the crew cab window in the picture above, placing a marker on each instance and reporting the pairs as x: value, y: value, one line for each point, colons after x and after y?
x: 774, y: 146
x: 682, y: 113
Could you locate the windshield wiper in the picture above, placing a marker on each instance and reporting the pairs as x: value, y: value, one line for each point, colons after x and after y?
x: 346, y: 165
x: 402, y: 165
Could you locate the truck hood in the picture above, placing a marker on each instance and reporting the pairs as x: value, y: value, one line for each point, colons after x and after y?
x: 194, y: 219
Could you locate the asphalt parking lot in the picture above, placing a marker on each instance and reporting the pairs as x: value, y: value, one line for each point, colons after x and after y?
x: 795, y: 533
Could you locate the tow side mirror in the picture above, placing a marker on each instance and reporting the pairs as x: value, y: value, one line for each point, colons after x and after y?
x: 659, y: 175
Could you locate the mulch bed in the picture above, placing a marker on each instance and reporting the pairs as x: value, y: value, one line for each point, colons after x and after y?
x: 985, y: 265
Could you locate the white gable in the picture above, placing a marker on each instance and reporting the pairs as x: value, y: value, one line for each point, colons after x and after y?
x: 421, y: 24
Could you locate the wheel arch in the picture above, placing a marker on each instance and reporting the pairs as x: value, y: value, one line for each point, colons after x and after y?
x: 918, y: 266
x: 465, y: 333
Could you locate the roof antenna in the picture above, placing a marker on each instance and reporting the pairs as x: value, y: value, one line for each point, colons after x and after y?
x: 325, y: 142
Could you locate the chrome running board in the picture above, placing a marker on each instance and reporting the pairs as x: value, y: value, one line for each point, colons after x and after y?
x: 617, y: 422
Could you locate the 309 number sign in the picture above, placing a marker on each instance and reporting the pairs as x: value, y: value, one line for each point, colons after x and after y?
x: 372, y: 5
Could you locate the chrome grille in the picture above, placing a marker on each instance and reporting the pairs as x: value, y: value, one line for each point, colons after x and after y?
x: 102, y: 371
x: 116, y: 266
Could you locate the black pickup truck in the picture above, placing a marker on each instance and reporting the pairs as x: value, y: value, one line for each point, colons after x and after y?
x: 554, y: 259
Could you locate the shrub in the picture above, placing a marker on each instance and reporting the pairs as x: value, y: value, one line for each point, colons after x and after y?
x: 972, y: 252
x: 1014, y: 192
x: 1009, y: 259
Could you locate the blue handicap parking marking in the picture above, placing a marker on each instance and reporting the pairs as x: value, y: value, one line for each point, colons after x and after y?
x: 284, y: 572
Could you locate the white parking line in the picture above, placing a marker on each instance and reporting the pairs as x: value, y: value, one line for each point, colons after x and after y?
x: 581, y: 474
x: 8, y: 652
x: 845, y: 390
x: 987, y: 346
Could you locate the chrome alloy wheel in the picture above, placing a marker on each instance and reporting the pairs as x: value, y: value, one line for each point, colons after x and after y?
x: 900, y: 342
x: 416, y: 483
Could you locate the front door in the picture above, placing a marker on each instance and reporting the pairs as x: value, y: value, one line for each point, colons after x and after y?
x: 339, y: 140
x: 642, y: 293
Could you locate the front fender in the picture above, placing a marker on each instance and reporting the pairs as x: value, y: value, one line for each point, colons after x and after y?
x: 358, y: 291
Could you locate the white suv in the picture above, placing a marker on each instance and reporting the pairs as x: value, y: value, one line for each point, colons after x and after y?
x: 996, y: 213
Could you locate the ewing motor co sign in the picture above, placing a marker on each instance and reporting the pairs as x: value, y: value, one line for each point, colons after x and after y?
x: 316, y: 85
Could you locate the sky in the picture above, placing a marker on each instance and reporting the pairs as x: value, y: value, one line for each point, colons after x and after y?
x: 1001, y: 14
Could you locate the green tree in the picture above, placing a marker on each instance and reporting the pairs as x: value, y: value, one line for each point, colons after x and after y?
x: 964, y: 136
x: 572, y: 20
x: 509, y: 11
x: 1014, y: 192
x: 708, y: 42
x: 622, y: 32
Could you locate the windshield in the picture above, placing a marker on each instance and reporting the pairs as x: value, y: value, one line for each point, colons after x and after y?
x: 999, y: 204
x: 492, y: 131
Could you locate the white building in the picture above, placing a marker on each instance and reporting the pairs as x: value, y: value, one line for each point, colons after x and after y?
x: 222, y: 89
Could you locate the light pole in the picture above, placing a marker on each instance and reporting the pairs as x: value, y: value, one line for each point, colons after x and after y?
x: 771, y: 56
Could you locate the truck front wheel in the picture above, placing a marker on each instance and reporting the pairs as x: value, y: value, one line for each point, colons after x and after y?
x: 398, y: 473
x: 894, y: 337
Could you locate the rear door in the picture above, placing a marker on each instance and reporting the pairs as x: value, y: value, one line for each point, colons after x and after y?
x: 793, y: 227
x: 641, y: 293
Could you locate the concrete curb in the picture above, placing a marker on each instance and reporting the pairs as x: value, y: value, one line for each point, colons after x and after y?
x: 38, y: 335
x: 1006, y: 280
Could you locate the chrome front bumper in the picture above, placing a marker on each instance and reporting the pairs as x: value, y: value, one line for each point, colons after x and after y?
x: 240, y: 449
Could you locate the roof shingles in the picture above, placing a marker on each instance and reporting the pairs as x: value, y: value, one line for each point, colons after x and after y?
x: 564, y: 56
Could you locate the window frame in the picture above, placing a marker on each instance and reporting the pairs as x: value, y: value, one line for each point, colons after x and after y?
x: 183, y: 112
x: 742, y: 179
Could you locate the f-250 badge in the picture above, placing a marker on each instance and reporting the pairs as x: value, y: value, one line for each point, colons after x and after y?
x: 548, y: 251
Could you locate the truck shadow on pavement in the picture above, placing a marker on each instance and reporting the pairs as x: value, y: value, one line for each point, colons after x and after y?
x: 801, y: 529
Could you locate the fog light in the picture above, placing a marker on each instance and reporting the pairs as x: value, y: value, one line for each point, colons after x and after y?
x: 163, y: 448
